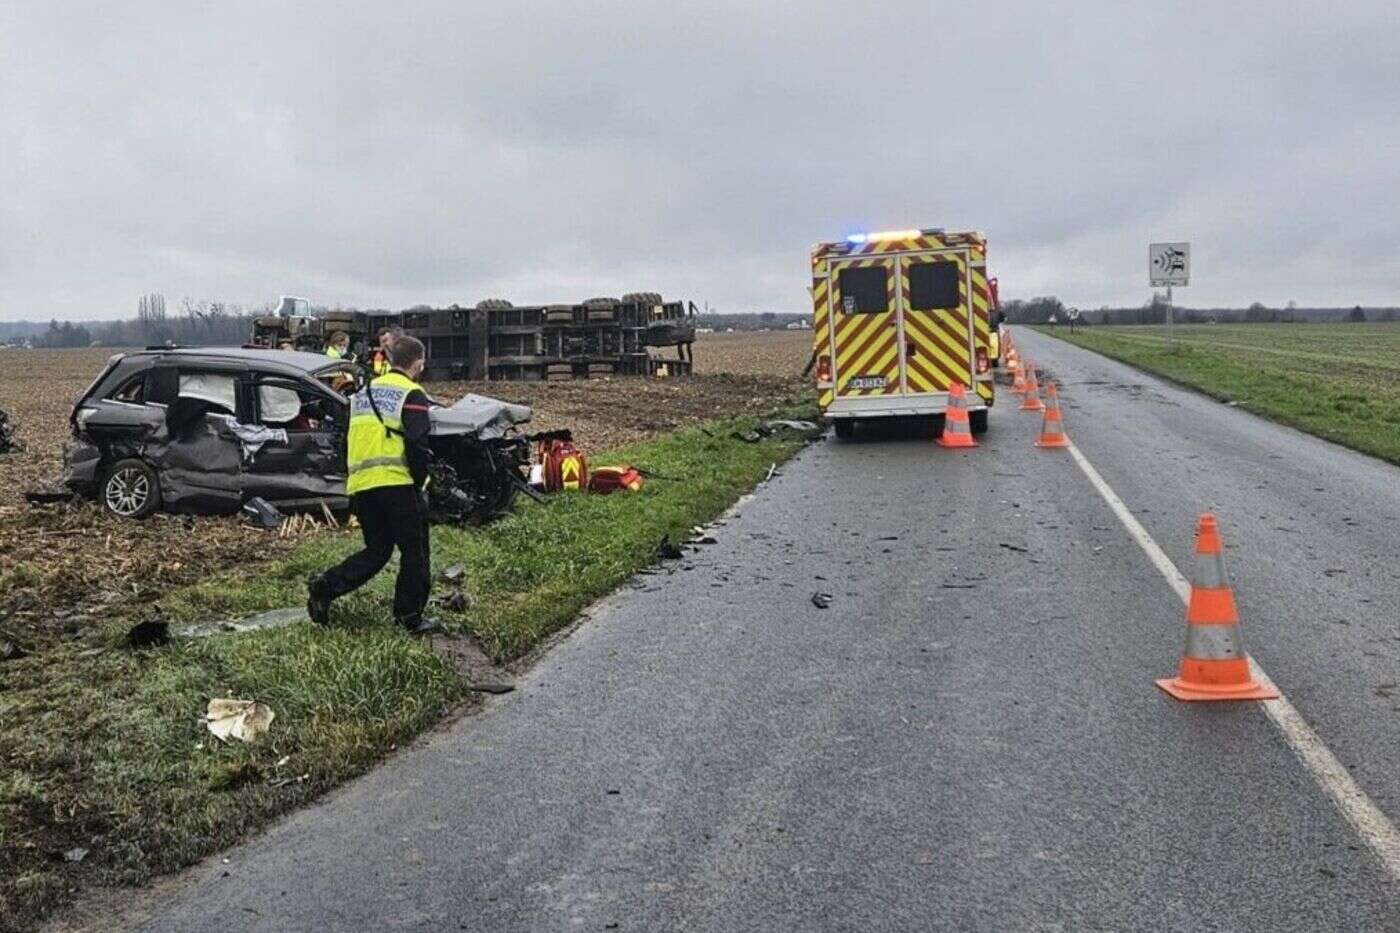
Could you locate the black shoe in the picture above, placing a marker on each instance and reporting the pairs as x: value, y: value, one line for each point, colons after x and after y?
x: 421, y: 625
x: 318, y: 605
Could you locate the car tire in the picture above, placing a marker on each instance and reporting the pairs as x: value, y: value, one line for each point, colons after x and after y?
x: 845, y: 428
x: 130, y: 489
x: 977, y: 420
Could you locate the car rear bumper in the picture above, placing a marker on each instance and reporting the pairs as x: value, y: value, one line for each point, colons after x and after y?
x: 895, y: 406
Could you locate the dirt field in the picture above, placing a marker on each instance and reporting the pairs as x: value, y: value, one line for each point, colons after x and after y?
x: 62, y: 567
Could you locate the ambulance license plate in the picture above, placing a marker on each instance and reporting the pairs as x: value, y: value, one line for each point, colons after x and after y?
x: 867, y: 382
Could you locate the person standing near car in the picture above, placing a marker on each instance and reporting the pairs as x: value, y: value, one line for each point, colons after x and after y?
x: 338, y: 345
x: 379, y: 358
x: 387, y: 468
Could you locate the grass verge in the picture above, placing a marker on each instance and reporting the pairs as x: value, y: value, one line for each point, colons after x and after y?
x: 106, y: 752
x: 1282, y: 372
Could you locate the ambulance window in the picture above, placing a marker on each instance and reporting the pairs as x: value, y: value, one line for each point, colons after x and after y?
x: 866, y: 289
x: 933, y: 286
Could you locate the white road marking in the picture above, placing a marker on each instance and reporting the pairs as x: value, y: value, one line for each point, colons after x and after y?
x: 1370, y: 823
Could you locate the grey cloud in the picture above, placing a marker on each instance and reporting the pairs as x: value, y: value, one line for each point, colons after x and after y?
x: 386, y: 154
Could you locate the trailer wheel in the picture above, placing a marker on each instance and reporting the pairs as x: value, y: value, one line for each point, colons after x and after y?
x: 130, y: 489
x: 845, y: 428
x: 977, y: 420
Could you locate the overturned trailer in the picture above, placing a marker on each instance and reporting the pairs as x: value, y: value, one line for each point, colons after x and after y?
x: 207, y: 430
x: 499, y: 341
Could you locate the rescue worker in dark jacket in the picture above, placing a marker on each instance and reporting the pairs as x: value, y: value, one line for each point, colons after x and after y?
x: 387, y: 468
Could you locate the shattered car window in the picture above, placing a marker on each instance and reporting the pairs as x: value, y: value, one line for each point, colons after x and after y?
x: 215, y: 388
x: 133, y: 391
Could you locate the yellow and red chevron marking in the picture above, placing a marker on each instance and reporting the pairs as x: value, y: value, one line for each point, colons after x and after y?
x: 867, y: 344
x: 981, y: 320
x: 936, y: 341
x: 821, y: 330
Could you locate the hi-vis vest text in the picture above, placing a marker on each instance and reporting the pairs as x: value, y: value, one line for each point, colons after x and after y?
x: 375, y: 452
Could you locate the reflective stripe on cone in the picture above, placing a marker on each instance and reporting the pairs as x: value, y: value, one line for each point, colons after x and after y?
x: 1052, y: 429
x: 1214, y: 665
x: 957, y: 429
x: 1032, y: 401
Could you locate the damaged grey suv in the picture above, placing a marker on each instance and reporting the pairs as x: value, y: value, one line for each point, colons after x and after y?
x: 207, y: 430
x: 204, y: 430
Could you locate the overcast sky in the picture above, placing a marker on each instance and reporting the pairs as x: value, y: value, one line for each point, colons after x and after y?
x: 388, y: 154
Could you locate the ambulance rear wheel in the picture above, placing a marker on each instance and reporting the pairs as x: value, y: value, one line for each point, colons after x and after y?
x: 978, y: 421
x: 845, y: 428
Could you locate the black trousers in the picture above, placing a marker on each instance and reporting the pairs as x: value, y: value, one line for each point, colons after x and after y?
x: 390, y: 517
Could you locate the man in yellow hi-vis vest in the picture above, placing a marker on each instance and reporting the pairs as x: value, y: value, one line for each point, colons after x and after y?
x: 386, y: 464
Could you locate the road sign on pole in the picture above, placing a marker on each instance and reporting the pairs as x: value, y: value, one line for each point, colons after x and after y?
x: 1169, y: 264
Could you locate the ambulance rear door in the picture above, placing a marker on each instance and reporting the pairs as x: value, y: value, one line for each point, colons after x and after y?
x: 936, y: 322
x: 866, y: 338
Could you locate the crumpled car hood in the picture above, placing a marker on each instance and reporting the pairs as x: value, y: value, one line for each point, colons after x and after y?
x: 488, y: 418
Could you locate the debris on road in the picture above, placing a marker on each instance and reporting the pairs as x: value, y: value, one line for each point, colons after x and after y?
x: 49, y: 495
x: 273, y: 618
x: 496, y: 687
x: 822, y: 600
x: 149, y: 634
x: 262, y: 513
x: 458, y: 602
x: 807, y: 429
x: 244, y: 720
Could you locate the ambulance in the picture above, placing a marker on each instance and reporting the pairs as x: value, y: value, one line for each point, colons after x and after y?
x: 898, y: 317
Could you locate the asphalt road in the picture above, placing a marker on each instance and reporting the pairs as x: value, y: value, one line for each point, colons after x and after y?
x: 968, y: 738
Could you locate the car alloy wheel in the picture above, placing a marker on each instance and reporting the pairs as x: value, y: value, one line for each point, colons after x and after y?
x: 127, y: 491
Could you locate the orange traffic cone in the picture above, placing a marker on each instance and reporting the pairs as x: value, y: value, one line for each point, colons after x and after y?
x: 1013, y: 361
x: 1032, y: 401
x: 1214, y: 665
x: 957, y: 431
x: 1019, y: 384
x: 1052, y: 429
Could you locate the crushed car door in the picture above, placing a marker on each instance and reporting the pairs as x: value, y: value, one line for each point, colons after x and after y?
x: 299, y: 451
x: 195, y: 454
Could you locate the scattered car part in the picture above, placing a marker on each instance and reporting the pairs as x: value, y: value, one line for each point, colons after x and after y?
x: 272, y: 618
x: 49, y: 496
x: 668, y: 551
x: 8, y: 442
x: 244, y: 720
x: 263, y: 513
x: 149, y: 634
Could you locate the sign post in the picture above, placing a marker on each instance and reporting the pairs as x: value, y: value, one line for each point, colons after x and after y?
x: 1169, y: 264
